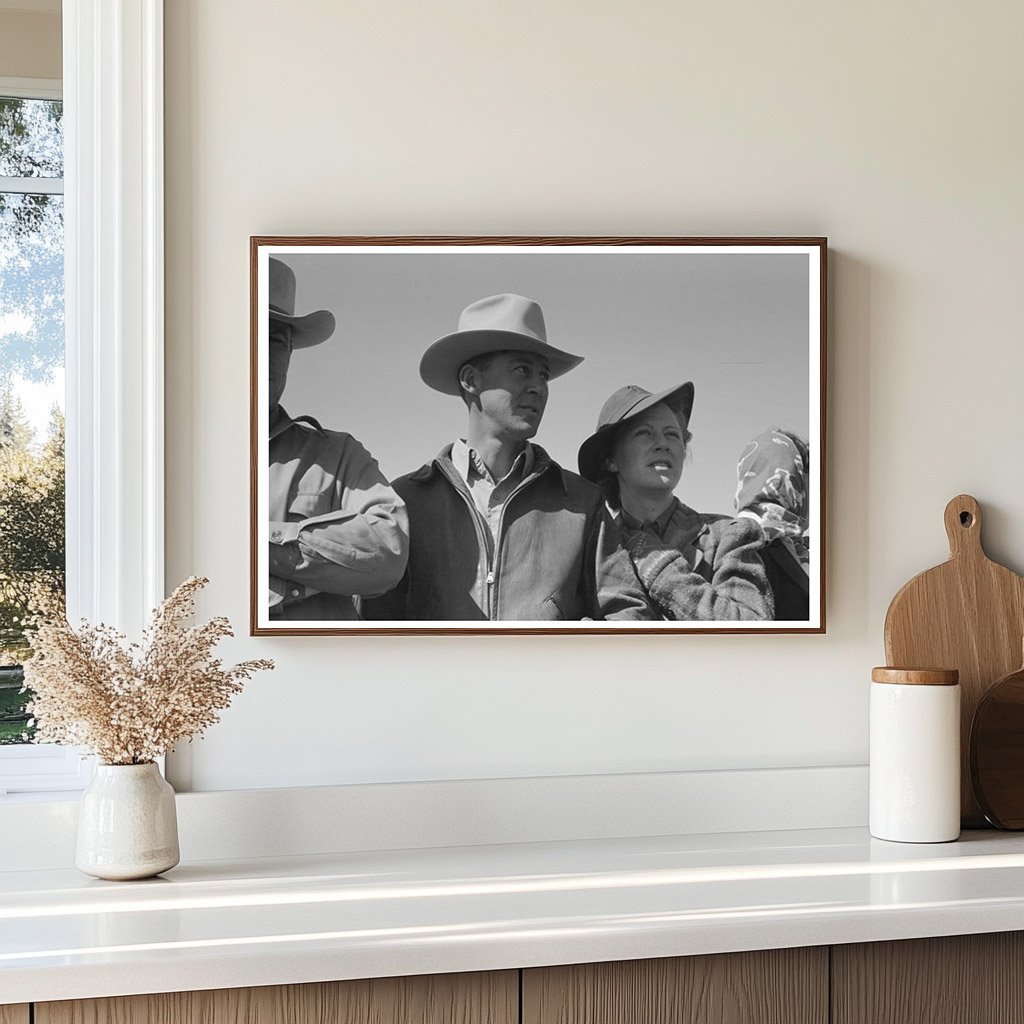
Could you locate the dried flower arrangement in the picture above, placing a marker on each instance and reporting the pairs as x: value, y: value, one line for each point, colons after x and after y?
x: 129, y: 704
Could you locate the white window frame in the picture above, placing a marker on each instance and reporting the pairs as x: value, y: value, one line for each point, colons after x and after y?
x: 114, y: 330
x: 32, y: 89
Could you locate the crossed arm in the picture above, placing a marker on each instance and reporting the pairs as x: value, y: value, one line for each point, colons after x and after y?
x: 360, y: 546
x: 737, y: 590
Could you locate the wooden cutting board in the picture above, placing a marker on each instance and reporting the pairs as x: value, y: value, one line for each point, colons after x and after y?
x: 967, y: 614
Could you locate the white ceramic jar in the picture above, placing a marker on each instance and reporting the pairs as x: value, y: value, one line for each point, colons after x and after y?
x: 127, y: 823
x: 915, y: 755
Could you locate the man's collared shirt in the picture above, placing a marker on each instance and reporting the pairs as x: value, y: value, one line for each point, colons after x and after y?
x: 490, y: 495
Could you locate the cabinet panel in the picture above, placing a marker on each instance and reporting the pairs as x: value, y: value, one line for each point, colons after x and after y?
x: 962, y: 979
x: 14, y: 1014
x: 481, y: 998
x: 778, y: 986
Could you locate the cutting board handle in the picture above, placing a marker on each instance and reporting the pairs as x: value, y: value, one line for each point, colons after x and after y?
x: 963, y: 527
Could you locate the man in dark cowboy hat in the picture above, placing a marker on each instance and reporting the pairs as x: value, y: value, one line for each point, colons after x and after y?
x: 336, y: 528
x: 498, y: 529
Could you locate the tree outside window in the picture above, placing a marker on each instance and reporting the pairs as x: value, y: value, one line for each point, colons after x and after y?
x: 31, y: 386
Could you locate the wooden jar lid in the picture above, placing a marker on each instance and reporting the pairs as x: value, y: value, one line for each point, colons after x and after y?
x: 918, y: 676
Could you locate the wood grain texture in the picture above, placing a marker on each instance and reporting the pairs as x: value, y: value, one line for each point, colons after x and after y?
x: 14, y: 1014
x: 963, y: 979
x: 967, y: 614
x: 915, y: 676
x: 480, y: 998
x: 997, y: 752
x: 778, y: 986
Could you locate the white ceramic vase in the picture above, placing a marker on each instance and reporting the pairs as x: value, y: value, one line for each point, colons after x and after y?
x: 127, y: 825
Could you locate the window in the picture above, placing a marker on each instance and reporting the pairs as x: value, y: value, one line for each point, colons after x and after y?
x: 113, y: 310
x: 32, y: 536
x: 31, y: 382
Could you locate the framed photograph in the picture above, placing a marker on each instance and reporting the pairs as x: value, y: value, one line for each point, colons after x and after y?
x: 537, y: 435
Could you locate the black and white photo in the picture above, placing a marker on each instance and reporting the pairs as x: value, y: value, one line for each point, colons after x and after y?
x: 537, y: 435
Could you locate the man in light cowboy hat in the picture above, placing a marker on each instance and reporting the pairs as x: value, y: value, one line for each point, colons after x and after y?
x: 336, y: 527
x: 500, y: 531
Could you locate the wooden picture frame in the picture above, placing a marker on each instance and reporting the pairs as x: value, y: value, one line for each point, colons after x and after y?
x: 744, y: 319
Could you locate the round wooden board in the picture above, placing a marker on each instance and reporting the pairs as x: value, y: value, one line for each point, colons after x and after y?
x: 997, y: 752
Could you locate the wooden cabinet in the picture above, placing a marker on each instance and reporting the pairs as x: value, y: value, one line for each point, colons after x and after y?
x: 966, y: 979
x: 970, y: 979
x: 963, y: 979
x: 777, y: 986
x: 491, y: 998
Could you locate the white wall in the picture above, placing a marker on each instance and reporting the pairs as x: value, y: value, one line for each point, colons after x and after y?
x: 894, y: 129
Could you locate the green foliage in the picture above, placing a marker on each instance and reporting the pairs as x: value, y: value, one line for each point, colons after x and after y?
x: 31, y: 525
x: 14, y: 719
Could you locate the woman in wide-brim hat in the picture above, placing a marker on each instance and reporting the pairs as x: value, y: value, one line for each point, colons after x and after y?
x: 694, y: 566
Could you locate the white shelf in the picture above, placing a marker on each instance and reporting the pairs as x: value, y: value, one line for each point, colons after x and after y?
x: 224, y: 924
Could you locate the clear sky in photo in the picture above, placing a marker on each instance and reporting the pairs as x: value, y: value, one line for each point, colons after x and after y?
x: 734, y: 323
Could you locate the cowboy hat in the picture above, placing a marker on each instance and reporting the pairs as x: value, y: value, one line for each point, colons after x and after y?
x: 494, y: 324
x: 307, y: 330
x: 625, y: 404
